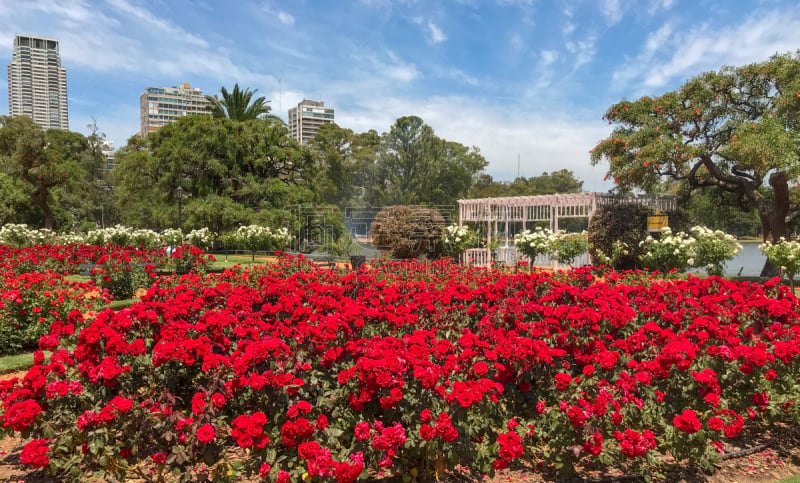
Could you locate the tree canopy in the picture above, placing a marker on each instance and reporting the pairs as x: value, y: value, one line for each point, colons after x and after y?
x: 229, y: 172
x: 409, y: 165
x: 561, y: 181
x: 735, y: 130
x: 239, y: 105
x: 55, y: 169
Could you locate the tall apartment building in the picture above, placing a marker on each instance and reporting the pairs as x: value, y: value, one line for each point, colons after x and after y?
x: 306, y: 119
x: 160, y: 105
x: 37, y: 84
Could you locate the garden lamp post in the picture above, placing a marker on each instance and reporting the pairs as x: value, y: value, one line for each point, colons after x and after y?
x: 179, y: 193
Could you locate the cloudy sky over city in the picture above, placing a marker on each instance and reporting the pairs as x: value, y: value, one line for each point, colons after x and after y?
x: 520, y: 79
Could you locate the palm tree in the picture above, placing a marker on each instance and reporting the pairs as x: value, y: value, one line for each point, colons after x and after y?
x: 237, y: 105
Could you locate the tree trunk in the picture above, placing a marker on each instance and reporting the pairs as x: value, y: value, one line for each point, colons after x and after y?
x: 41, y: 201
x: 773, y: 222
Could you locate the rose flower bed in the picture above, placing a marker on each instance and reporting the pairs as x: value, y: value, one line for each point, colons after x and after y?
x: 288, y: 372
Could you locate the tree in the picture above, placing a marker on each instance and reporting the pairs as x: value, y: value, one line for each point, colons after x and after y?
x: 344, y: 159
x: 561, y: 181
x: 239, y: 105
x: 254, y: 165
x: 414, y: 166
x: 52, y: 162
x: 732, y: 130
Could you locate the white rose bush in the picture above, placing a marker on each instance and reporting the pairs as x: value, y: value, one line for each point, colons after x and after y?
x: 457, y: 239
x: 700, y: 248
x: 784, y: 255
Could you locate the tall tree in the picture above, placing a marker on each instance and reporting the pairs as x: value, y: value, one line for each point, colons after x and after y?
x: 415, y: 166
x: 220, y: 164
x: 735, y: 130
x: 239, y: 105
x: 345, y: 160
x: 51, y: 162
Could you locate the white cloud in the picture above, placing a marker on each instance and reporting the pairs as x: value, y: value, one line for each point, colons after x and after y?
x: 285, y: 18
x: 568, y: 28
x: 437, y: 36
x: 612, y: 10
x: 157, y: 23
x: 549, y: 56
x: 667, y: 56
x: 582, y: 50
x: 659, y: 5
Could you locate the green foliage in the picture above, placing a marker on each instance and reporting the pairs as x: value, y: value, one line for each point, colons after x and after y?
x: 346, y: 164
x: 231, y: 173
x: 561, y: 181
x: 52, y: 168
x: 618, y: 224
x: 733, y: 130
x: 414, y: 166
x: 408, y: 231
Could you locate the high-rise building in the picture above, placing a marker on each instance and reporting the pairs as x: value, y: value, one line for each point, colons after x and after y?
x: 160, y: 105
x: 306, y: 119
x: 37, y: 84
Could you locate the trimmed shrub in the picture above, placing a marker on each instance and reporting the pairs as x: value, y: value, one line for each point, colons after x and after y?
x: 626, y: 223
x: 409, y: 231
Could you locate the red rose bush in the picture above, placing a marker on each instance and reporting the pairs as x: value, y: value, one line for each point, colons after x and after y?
x: 287, y: 371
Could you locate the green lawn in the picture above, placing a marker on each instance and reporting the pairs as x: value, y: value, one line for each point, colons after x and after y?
x: 791, y: 479
x: 17, y: 362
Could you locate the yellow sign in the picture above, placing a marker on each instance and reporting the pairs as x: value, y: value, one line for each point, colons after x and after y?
x: 657, y: 222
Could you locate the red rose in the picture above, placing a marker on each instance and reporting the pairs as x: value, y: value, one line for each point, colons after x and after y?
x: 716, y: 423
x: 322, y: 422
x: 362, y: 431
x: 687, y: 422
x: 563, y: 381
x: 159, y: 457
x: 588, y: 370
x: 205, y: 434
x: 35, y: 453
x: 480, y: 368
x: 770, y: 375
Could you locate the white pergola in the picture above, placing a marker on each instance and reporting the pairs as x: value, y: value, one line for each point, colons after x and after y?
x: 520, y: 210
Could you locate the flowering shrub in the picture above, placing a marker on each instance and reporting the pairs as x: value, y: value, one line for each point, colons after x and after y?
x: 671, y: 251
x: 203, y: 238
x: 30, y: 303
x: 172, y: 237
x: 256, y: 238
x: 702, y: 248
x: 534, y: 243
x: 408, y: 367
x: 713, y: 248
x: 568, y: 246
x: 457, y: 239
x: 785, y: 254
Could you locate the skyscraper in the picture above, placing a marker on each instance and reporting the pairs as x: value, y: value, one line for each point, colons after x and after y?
x: 37, y: 84
x: 160, y: 105
x: 306, y: 119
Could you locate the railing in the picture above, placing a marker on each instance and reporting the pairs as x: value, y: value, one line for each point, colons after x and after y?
x: 479, y: 257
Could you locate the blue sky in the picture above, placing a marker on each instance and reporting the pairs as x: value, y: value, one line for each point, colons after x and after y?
x: 527, y: 78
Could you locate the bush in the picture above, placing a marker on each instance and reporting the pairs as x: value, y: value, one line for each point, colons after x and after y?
x: 409, y: 231
x: 624, y: 223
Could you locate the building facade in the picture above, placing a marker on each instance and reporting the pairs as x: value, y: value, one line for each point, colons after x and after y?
x: 306, y: 119
x: 160, y: 105
x: 37, y: 84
